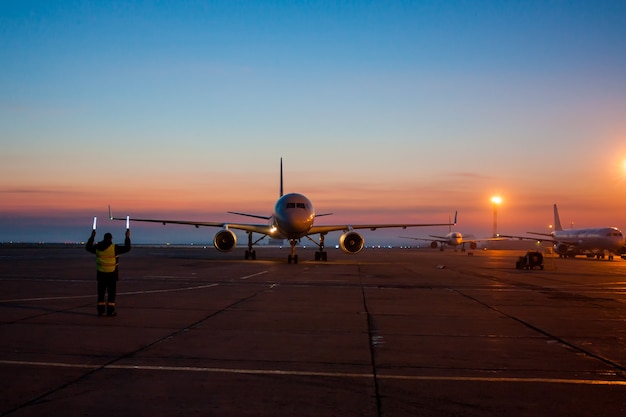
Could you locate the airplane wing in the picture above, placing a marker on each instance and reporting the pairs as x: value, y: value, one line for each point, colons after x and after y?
x: 434, y: 238
x: 571, y: 241
x: 266, y: 228
x: 538, y: 239
x: 248, y: 227
x: 549, y: 238
x: 486, y: 239
x: 427, y: 239
x: 540, y: 234
x: 347, y: 227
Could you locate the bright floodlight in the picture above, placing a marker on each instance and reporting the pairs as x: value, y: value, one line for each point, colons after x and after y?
x: 496, y: 200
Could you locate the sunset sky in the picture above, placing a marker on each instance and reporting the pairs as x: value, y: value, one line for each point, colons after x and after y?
x: 382, y: 112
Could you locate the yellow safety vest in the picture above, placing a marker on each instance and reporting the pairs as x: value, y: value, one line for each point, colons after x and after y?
x: 106, y: 260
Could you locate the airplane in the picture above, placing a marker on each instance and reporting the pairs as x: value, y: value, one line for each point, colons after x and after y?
x: 588, y: 241
x: 293, y: 218
x: 453, y: 239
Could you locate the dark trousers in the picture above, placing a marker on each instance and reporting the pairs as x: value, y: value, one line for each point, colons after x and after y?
x: 107, y: 285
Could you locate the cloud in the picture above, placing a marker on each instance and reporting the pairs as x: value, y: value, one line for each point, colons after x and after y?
x: 38, y: 191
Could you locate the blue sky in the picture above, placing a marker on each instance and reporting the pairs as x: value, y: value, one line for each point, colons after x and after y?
x: 385, y: 110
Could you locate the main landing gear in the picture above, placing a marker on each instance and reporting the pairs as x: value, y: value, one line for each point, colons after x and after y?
x: 251, y: 253
x: 321, y: 254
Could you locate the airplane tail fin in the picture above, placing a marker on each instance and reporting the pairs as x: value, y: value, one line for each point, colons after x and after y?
x: 557, y: 221
x: 450, y: 224
x: 281, y: 177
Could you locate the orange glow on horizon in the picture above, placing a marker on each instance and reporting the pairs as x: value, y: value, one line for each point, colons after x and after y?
x: 354, y: 201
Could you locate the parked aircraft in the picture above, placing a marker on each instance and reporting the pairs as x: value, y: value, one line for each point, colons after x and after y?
x: 293, y: 218
x: 453, y: 239
x: 588, y: 241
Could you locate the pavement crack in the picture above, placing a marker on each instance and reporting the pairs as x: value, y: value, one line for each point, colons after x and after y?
x: 375, y: 340
x: 545, y: 333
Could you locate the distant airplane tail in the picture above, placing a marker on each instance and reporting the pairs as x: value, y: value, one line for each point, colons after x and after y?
x: 281, y: 177
x: 557, y: 221
x: 450, y: 224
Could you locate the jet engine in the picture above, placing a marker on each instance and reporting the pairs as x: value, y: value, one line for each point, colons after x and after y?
x: 351, y: 242
x: 473, y: 245
x: 225, y: 240
x: 561, y: 248
x: 434, y: 245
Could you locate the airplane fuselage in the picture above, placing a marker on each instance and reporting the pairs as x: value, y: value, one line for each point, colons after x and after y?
x: 293, y: 216
x: 604, y: 238
x: 454, y: 238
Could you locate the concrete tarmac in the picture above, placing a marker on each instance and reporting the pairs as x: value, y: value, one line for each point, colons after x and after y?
x: 387, y: 332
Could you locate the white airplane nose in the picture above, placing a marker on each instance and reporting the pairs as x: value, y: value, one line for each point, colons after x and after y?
x: 296, y: 222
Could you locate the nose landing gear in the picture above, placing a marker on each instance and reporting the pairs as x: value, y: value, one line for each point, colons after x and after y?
x: 292, y: 256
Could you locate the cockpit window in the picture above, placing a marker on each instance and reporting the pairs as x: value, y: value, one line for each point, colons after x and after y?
x: 294, y: 205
